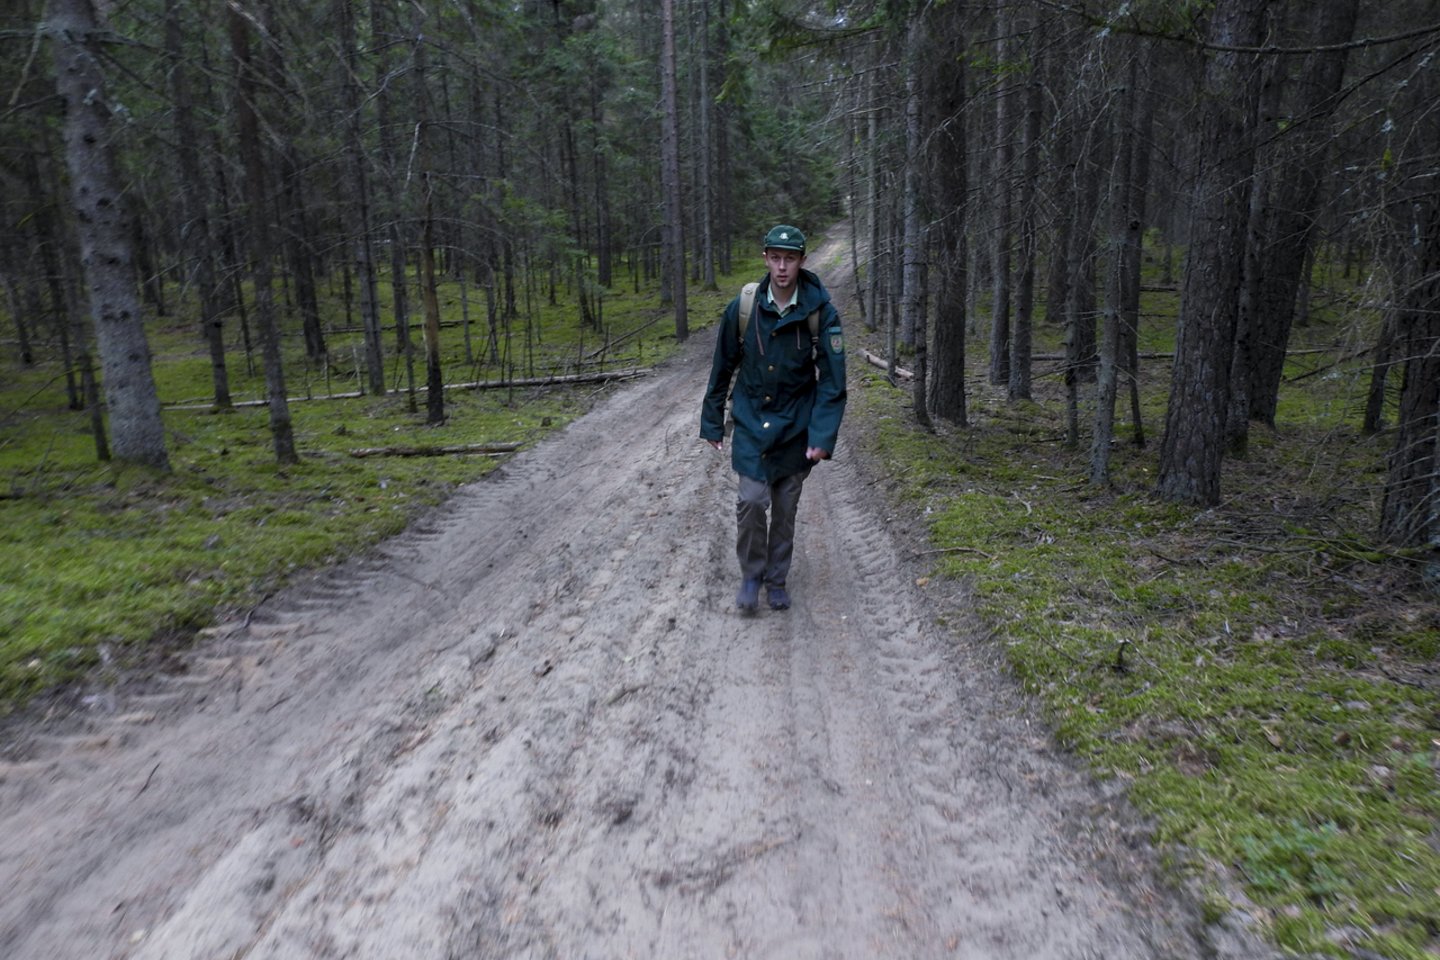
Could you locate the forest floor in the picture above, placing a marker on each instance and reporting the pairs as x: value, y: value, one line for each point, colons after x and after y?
x: 534, y: 725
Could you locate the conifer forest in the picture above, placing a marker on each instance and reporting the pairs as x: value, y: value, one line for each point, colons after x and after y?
x: 1004, y: 165
x: 276, y: 278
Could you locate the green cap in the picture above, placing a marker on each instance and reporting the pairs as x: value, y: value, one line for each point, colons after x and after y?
x: 785, y: 237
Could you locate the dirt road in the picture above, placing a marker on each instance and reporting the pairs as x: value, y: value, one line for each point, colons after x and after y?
x: 536, y: 727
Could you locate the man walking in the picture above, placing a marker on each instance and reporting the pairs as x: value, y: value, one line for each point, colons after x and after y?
x: 783, y: 338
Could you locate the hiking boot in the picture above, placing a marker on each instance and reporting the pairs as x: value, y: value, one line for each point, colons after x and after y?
x: 747, y: 598
x: 779, y: 599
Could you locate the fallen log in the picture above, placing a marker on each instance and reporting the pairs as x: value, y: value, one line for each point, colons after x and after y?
x: 1171, y: 356
x: 1061, y: 356
x: 547, y: 381
x: 884, y: 364
x: 239, y: 404
x: 485, y: 449
x: 600, y: 377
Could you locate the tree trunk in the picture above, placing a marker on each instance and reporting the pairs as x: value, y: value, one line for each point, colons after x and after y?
x: 64, y: 309
x: 872, y: 181
x: 137, y: 431
x: 1080, y: 307
x: 1141, y: 147
x: 1194, y: 442
x: 947, y: 176
x: 383, y: 34
x: 1381, y: 362
x: 724, y: 170
x: 302, y: 260
x: 1080, y: 310
x: 705, y: 203
x: 1410, y: 513
x: 670, y: 172
x: 604, y: 241
x: 152, y: 285
x: 257, y: 199
x: 358, y: 211
x: 1003, y: 191
x: 1062, y: 199
x: 1120, y: 220
x: 852, y: 188
x: 195, y: 235
x: 1291, y: 227
x: 1237, y: 417
x: 19, y: 291
x: 1018, y: 387
x: 434, y: 381
x: 915, y: 242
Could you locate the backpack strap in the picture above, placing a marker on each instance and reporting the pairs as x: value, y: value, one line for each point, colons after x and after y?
x: 747, y: 308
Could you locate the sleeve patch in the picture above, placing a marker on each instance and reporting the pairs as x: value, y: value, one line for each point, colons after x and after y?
x: 837, y: 342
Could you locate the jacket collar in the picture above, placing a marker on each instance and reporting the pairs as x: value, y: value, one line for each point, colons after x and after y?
x: 810, y: 295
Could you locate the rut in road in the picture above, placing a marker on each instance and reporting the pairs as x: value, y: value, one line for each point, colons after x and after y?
x: 535, y: 727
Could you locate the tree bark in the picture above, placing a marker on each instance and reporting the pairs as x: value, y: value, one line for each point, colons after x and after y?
x: 64, y: 309
x: 1194, y: 442
x: 258, y: 206
x: 1237, y: 417
x: 1301, y: 153
x: 1003, y: 192
x: 434, y: 380
x: 1141, y: 148
x: 705, y: 202
x: 358, y: 212
x: 915, y: 240
x: 1021, y: 334
x: 383, y: 33
x: 137, y: 431
x: 948, y: 179
x: 195, y: 235
x: 670, y: 171
x: 18, y: 291
x: 1382, y: 360
x: 1410, y: 512
x: 872, y: 200
x: 1081, y: 311
x: 1121, y: 219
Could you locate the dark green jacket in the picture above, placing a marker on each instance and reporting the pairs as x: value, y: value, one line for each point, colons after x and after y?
x: 784, y: 401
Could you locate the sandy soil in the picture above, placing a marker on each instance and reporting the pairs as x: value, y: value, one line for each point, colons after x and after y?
x: 535, y: 727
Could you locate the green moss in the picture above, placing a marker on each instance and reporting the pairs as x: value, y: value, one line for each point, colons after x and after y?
x: 1257, y: 673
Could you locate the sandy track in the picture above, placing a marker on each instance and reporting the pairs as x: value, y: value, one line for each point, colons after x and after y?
x: 535, y: 727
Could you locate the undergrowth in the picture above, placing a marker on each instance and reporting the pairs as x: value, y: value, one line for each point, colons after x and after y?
x: 1261, y: 674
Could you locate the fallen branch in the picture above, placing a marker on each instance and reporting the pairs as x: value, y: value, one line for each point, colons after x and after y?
x: 612, y: 344
x: 1171, y: 356
x: 547, y: 381
x: 884, y: 364
x: 351, y: 395
x: 484, y: 449
x: 1330, y: 366
x: 472, y: 385
x: 1061, y: 356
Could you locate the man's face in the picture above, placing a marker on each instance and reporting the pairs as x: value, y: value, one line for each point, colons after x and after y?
x: 784, y: 267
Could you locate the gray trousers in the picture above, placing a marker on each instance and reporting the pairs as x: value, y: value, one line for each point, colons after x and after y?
x: 764, y: 549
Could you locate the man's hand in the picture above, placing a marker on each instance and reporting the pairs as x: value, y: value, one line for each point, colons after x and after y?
x: 717, y: 444
x: 815, y: 454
